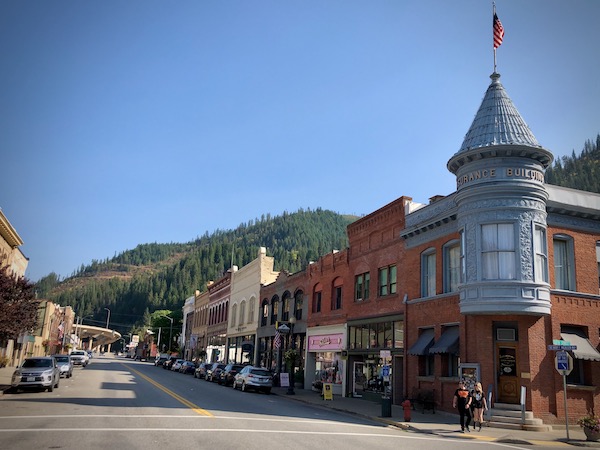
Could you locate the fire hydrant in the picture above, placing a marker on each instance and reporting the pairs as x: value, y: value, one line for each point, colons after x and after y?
x: 407, y: 406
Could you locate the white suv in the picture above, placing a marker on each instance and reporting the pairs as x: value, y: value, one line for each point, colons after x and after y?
x: 80, y: 358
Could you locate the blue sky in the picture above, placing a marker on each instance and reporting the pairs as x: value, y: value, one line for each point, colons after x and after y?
x: 133, y: 121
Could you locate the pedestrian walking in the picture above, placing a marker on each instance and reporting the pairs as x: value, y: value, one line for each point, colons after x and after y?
x: 462, y: 401
x: 478, y: 405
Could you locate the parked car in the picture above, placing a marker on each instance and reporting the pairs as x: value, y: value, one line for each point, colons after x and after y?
x: 200, y: 371
x: 40, y: 372
x: 169, y: 362
x: 80, y: 358
x: 65, y: 365
x: 228, y: 373
x: 256, y: 378
x: 187, y: 367
x: 160, y: 359
x: 176, y: 365
x: 212, y: 373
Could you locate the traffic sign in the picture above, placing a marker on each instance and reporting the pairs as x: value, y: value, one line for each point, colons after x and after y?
x: 563, y: 363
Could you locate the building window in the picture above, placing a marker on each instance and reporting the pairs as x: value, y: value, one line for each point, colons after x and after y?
x: 598, y: 260
x: 285, y: 308
x: 498, y: 256
x: 336, y: 299
x: 251, y: 318
x: 428, y: 274
x: 564, y: 273
x: 387, y: 280
x: 233, y: 315
x: 298, y: 305
x: 451, y: 266
x: 242, y: 312
x: 540, y: 247
x: 274, y: 310
x: 463, y: 264
x: 316, y: 303
x: 265, y: 313
x: 361, y: 286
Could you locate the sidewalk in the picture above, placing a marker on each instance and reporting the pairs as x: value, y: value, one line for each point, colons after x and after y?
x: 441, y: 424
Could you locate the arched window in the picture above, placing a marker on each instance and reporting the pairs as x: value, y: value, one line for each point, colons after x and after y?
x: 336, y: 294
x: 298, y: 304
x: 317, y: 298
x: 233, y: 315
x: 274, y: 309
x: 265, y: 313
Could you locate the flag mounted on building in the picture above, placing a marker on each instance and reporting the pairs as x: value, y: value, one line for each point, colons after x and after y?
x: 498, y: 31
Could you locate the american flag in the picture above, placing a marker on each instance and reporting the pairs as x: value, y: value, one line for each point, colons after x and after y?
x: 277, y: 340
x: 498, y: 32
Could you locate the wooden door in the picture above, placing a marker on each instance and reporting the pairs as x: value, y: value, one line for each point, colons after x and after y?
x: 507, y: 373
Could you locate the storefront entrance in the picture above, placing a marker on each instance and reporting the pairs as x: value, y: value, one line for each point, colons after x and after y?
x: 507, y: 370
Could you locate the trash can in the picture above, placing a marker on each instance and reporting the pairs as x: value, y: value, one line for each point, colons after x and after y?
x: 386, y: 407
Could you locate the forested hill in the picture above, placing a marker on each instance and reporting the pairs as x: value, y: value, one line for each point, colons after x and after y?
x: 161, y: 276
x: 578, y: 172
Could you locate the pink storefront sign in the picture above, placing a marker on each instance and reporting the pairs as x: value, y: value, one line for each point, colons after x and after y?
x: 324, y: 342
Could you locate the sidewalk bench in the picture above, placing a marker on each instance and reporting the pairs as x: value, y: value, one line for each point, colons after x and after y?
x: 425, y: 398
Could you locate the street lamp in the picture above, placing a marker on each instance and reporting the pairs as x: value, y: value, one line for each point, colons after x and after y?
x: 290, y: 390
x: 108, y: 317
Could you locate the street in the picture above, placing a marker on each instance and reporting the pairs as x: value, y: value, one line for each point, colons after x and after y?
x: 119, y: 403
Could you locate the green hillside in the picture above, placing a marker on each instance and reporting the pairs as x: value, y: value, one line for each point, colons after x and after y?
x: 155, y: 276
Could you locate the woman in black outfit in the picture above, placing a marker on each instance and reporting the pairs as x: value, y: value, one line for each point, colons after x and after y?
x: 478, y: 404
x: 462, y: 401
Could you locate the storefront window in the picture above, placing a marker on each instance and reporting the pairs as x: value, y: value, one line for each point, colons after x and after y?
x: 328, y: 368
x: 376, y: 335
x: 368, y: 376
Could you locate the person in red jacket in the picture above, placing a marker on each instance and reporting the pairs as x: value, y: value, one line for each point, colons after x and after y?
x: 462, y: 401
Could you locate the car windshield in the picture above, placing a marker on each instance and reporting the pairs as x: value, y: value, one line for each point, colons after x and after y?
x: 264, y: 373
x: 62, y: 358
x: 37, y: 363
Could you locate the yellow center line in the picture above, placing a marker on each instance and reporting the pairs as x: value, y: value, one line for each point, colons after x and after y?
x: 186, y: 402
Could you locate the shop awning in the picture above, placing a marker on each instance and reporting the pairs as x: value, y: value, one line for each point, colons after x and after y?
x: 447, y: 343
x: 425, y: 341
x: 584, y: 348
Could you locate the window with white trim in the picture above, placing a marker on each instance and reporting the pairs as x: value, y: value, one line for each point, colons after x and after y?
x: 498, y: 255
x: 452, y: 262
x: 564, y: 262
x: 540, y: 248
x: 428, y: 273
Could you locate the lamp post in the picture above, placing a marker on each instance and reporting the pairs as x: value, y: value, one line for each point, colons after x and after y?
x: 108, y: 317
x: 290, y: 390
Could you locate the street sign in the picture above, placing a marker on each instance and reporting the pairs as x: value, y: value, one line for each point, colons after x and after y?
x: 563, y: 363
x: 562, y: 347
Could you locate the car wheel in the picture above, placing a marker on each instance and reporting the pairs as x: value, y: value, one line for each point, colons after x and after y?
x: 57, y: 383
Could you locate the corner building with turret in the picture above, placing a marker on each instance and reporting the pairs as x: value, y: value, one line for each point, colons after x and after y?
x: 500, y: 270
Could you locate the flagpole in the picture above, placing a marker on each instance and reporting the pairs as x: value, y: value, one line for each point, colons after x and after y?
x: 493, y: 46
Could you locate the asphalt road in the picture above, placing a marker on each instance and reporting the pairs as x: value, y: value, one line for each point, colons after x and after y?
x: 117, y: 403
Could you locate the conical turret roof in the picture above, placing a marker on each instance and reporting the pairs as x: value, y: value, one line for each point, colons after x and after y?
x: 497, y: 122
x: 497, y: 129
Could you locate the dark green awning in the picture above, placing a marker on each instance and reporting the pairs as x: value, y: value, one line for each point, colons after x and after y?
x: 448, y: 342
x: 425, y: 341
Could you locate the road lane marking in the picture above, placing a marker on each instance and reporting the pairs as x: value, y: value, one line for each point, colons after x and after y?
x: 178, y: 397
